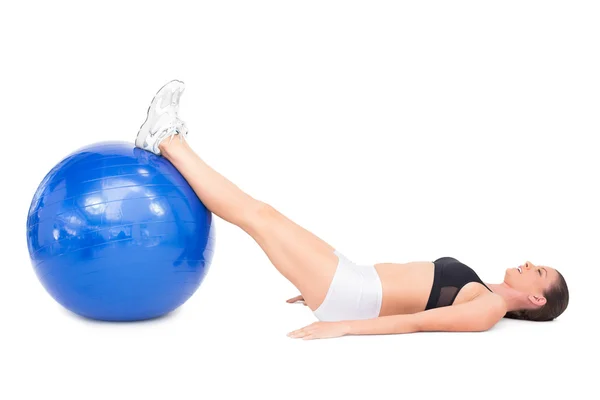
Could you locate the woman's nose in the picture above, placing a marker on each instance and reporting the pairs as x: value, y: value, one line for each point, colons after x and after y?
x: 528, y: 264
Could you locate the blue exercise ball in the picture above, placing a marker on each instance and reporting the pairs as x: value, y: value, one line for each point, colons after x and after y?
x: 116, y: 233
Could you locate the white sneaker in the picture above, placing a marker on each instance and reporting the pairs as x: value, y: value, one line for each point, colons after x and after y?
x: 162, y: 120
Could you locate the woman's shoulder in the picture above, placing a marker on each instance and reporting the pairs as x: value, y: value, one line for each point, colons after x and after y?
x: 494, y: 299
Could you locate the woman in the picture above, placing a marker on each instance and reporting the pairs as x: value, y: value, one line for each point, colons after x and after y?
x: 444, y: 295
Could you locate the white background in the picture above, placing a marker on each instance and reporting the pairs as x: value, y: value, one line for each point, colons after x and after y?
x: 396, y: 131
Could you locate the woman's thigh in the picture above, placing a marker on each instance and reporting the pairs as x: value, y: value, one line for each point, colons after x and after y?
x: 306, y: 260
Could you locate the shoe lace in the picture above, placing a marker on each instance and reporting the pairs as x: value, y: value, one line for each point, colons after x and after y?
x: 177, y: 129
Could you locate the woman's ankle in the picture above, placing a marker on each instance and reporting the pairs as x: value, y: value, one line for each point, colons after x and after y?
x: 172, y: 145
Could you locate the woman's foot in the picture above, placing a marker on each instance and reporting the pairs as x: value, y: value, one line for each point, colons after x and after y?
x: 162, y: 120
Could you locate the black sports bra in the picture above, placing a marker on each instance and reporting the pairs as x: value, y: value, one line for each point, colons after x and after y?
x: 449, y: 277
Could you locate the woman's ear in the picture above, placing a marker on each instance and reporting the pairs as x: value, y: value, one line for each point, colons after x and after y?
x: 538, y: 301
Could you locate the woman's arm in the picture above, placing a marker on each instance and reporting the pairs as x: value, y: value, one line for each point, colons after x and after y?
x: 479, y: 314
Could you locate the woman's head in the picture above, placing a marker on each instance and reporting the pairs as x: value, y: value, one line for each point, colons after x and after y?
x: 548, y: 294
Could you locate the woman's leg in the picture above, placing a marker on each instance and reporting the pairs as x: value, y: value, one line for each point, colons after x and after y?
x: 304, y: 259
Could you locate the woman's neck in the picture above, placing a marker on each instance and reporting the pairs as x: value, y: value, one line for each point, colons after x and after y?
x: 514, y: 299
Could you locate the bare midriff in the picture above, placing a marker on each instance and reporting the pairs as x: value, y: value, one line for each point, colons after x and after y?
x: 406, y: 287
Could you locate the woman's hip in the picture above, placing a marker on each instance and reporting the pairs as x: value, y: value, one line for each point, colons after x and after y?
x: 355, y: 292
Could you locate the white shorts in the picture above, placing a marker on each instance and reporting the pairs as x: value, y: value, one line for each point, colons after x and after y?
x: 355, y: 293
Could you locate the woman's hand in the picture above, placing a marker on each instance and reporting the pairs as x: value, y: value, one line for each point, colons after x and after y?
x: 321, y: 330
x: 296, y: 299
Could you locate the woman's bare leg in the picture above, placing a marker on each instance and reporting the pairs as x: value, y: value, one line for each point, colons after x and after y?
x: 304, y: 259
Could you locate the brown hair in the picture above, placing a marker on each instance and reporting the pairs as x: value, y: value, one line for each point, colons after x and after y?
x: 557, y: 299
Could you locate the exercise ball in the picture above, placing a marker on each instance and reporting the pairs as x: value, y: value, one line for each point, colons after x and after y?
x: 116, y: 233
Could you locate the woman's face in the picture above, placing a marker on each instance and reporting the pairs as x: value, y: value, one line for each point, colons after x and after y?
x: 530, y: 278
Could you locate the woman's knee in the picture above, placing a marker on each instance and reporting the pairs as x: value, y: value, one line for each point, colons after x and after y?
x: 265, y: 210
x: 260, y: 216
